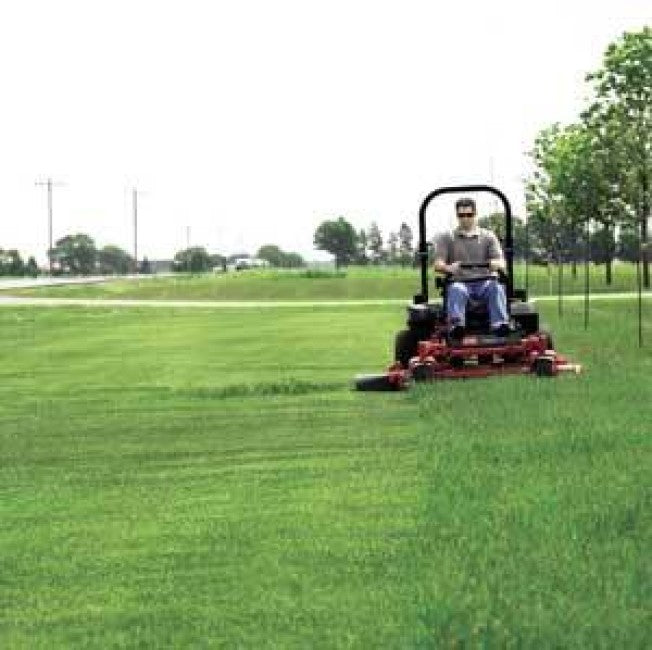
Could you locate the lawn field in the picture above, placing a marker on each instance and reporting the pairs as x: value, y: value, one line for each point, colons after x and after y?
x: 355, y: 283
x: 207, y: 478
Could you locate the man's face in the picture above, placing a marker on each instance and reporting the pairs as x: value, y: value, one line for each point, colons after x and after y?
x: 466, y: 217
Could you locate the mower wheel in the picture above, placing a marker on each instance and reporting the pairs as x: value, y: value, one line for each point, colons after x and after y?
x: 544, y: 366
x: 405, y: 345
x: 374, y: 382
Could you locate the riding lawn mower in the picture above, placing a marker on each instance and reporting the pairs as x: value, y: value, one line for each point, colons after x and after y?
x: 426, y: 351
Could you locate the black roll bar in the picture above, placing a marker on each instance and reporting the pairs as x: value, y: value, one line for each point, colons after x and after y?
x: 422, y: 252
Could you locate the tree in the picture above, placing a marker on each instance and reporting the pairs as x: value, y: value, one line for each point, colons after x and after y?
x: 575, y: 182
x: 627, y: 248
x: 31, y: 268
x: 293, y: 261
x: 114, y: 260
x: 192, y: 260
x: 279, y: 258
x: 406, y: 250
x: 623, y: 89
x: 496, y: 223
x: 11, y: 262
x: 337, y: 238
x: 603, y: 246
x: 375, y: 242
x: 272, y: 254
x: 549, y: 224
x: 74, y: 254
x: 361, y: 249
x: 392, y: 248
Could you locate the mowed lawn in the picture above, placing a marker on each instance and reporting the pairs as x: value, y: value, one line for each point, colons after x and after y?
x: 354, y: 283
x: 207, y: 478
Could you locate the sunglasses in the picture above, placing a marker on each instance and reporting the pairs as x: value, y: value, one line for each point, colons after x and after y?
x: 460, y: 215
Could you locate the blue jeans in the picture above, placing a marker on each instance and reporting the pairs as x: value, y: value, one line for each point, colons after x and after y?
x: 490, y: 292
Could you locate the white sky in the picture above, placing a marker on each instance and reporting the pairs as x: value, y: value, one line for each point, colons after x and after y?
x: 251, y: 122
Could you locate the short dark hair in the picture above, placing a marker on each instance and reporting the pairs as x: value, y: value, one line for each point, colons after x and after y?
x: 464, y: 202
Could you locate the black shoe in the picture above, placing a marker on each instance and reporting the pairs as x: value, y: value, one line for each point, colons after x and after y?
x: 456, y: 333
x: 503, y: 330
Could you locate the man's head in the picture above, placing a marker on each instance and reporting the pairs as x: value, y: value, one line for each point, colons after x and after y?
x: 465, y: 211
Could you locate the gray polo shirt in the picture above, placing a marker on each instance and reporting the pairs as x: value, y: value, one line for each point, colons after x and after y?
x: 480, y: 246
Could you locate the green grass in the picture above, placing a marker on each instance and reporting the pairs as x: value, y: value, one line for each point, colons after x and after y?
x: 352, y: 284
x: 206, y: 478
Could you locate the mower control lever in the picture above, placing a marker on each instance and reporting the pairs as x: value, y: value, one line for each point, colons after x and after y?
x: 474, y: 265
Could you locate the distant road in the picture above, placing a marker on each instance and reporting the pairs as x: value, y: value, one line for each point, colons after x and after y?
x: 47, y: 281
x: 7, y: 300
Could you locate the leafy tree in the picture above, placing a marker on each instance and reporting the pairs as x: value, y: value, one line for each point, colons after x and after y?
x: 496, y: 223
x: 361, y: 248
x: 114, y: 260
x: 293, y: 261
x: 549, y: 227
x: 279, y: 258
x: 406, y: 249
x: 576, y: 181
x: 31, y: 268
x: 623, y: 106
x: 627, y: 248
x: 192, y: 260
x: 337, y: 238
x: 603, y: 246
x: 375, y: 243
x: 271, y: 253
x: 74, y: 254
x: 392, y: 248
x: 11, y: 263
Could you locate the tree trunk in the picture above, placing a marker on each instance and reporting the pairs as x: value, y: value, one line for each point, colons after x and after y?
x: 645, y: 256
x: 574, y: 253
x: 609, y: 255
x: 645, y: 217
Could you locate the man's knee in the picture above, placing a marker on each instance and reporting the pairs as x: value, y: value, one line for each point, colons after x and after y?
x: 458, y: 289
x: 495, y: 288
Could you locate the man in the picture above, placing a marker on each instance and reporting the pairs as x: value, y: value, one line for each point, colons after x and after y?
x: 468, y: 244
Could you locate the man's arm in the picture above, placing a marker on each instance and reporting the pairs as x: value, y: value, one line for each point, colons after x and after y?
x: 441, y: 266
x: 442, y: 254
x: 495, y: 254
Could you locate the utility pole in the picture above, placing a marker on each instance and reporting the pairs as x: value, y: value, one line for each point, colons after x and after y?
x: 49, y: 184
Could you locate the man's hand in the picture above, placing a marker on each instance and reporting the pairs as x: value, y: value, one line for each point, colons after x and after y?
x: 497, y: 265
x: 453, y: 268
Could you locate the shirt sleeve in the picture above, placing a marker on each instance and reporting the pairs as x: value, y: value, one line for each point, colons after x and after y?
x: 442, y: 247
x: 494, y: 250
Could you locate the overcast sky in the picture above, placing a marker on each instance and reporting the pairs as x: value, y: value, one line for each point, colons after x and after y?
x: 251, y: 122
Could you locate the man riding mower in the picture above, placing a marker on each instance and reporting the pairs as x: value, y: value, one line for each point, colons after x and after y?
x: 482, y: 327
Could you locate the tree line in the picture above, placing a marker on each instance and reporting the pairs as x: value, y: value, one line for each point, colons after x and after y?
x: 589, y: 194
x: 348, y: 246
x: 78, y: 254
x: 339, y: 238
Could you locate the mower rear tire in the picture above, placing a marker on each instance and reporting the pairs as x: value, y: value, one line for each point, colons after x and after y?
x: 405, y: 345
